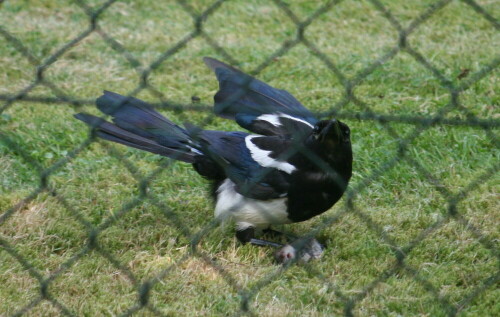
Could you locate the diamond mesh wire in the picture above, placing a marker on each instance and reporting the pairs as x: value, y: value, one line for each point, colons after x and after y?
x: 420, y: 124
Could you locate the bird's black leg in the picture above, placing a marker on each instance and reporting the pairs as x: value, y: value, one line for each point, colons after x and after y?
x: 247, y: 235
x: 265, y: 243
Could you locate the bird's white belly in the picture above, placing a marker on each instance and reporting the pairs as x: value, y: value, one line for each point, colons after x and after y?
x: 247, y: 212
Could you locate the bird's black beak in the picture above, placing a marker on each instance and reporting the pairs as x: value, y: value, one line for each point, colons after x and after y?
x: 331, y: 131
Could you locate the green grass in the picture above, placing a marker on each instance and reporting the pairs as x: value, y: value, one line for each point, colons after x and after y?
x: 448, y: 265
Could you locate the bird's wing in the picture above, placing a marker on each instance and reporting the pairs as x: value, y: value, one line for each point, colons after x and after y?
x: 258, y: 177
x: 255, y: 105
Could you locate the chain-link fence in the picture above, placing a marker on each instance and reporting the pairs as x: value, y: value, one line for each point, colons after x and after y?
x: 349, y: 107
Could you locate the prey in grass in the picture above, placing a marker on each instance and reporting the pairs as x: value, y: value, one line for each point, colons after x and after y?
x: 292, y: 168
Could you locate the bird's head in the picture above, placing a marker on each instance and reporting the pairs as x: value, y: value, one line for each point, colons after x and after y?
x: 331, y: 139
x: 331, y: 133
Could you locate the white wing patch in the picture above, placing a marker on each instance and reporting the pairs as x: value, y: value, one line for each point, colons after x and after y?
x: 274, y: 119
x: 262, y: 157
x: 270, y: 118
x: 283, y: 115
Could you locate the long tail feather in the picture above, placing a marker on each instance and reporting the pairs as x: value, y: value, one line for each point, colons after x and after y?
x: 138, y: 117
x: 138, y: 125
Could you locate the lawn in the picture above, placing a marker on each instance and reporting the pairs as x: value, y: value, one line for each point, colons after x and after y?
x: 93, y: 228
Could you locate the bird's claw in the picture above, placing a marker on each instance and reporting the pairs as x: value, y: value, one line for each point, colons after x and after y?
x: 302, y: 250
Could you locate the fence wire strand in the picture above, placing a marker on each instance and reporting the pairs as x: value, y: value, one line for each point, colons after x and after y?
x: 420, y: 124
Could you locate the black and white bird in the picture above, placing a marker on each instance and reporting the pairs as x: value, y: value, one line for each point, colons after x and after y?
x: 293, y: 167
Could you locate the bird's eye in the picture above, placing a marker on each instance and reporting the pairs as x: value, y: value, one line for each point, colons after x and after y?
x: 316, y: 130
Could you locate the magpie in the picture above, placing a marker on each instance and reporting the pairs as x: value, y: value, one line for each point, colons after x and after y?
x: 290, y: 168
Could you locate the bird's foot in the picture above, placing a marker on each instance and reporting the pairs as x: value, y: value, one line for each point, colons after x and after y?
x: 301, y: 250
